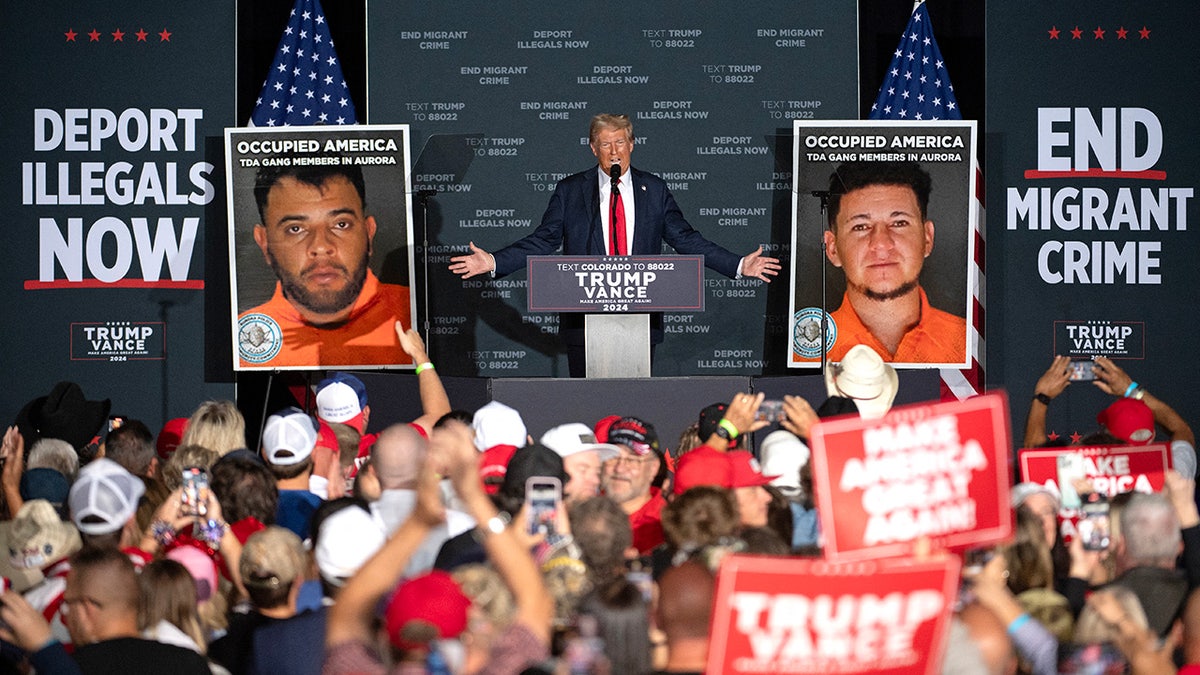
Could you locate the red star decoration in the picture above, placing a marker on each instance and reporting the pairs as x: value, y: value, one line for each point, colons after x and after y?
x: 1145, y: 33
x: 1076, y: 33
x: 1121, y: 33
x: 141, y: 34
x: 70, y: 34
x: 1076, y: 437
x: 164, y: 36
x: 1052, y: 436
x: 118, y: 36
x: 1099, y: 33
x: 1053, y: 32
x: 94, y: 36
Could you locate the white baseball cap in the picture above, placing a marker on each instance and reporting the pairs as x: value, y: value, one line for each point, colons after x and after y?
x: 289, y: 437
x: 782, y: 455
x: 342, y: 398
x: 569, y: 439
x: 104, y: 497
x: 497, y: 424
x: 345, y: 541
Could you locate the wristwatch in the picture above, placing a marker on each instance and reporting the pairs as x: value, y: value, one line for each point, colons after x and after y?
x: 725, y: 429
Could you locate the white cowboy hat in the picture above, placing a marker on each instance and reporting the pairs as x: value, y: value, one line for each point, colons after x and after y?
x: 864, y: 377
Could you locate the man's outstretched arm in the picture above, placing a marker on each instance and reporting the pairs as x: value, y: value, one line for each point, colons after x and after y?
x: 478, y: 261
x: 758, y: 266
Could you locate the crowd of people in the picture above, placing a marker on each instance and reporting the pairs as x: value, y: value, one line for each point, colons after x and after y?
x: 457, y: 543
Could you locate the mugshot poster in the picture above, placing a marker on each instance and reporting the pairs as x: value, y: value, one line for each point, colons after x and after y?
x: 882, y: 275
x: 322, y: 281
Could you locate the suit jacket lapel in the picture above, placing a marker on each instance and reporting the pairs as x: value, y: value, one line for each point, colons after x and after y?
x: 595, y: 245
x: 641, y: 218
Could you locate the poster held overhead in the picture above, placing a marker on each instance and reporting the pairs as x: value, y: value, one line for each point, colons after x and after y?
x: 1112, y: 469
x: 939, y: 471
x: 796, y: 615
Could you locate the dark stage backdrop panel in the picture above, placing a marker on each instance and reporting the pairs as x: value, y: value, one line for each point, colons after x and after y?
x: 1091, y: 208
x: 499, y: 96
x: 111, y: 147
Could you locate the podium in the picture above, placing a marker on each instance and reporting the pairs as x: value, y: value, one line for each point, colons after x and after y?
x: 617, y: 293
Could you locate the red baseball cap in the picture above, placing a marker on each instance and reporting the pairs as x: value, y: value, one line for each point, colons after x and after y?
x: 169, y: 437
x: 493, y: 465
x: 603, y: 426
x: 745, y: 471
x: 1130, y: 420
x: 433, y: 598
x: 702, y: 466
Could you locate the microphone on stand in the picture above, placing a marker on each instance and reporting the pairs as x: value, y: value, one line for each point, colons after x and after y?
x: 614, y: 172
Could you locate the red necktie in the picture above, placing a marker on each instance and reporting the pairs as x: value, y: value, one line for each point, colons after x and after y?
x: 617, y: 226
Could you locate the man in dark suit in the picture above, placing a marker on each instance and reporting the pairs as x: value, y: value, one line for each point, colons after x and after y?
x: 578, y: 219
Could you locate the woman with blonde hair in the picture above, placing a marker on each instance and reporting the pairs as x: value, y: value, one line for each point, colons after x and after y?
x: 216, y: 425
x: 689, y: 439
x: 186, y: 457
x: 1030, y: 565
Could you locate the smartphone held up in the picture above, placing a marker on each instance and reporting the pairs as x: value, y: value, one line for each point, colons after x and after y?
x: 1095, y: 528
x: 543, y: 503
x: 194, y: 500
x: 1082, y: 370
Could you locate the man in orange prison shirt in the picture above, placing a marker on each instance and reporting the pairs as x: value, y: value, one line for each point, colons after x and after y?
x: 329, y: 308
x: 879, y: 234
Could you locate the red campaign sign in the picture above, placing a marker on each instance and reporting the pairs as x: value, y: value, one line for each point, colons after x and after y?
x: 1112, y: 469
x: 806, y: 615
x: 931, y: 470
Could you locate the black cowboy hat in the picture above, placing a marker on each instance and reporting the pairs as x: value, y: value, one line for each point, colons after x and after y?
x: 65, y: 414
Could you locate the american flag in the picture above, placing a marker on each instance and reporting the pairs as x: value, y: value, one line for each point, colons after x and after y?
x: 305, y: 85
x: 917, y: 87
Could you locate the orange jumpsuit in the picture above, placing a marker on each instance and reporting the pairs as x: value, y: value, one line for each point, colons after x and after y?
x: 274, y: 335
x: 939, y: 337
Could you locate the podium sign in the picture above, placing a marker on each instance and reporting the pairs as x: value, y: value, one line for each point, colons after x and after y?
x: 616, y: 284
x: 617, y: 292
